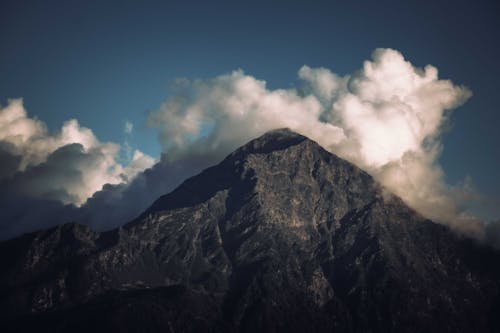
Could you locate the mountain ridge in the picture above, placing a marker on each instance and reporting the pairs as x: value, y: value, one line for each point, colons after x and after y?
x: 279, y: 236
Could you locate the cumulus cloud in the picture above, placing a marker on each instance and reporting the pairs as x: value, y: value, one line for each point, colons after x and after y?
x: 386, y: 118
x: 138, y: 163
x: 68, y: 166
x: 222, y: 113
x: 118, y: 204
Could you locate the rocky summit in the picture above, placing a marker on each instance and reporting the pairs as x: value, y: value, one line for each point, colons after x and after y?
x: 281, y: 236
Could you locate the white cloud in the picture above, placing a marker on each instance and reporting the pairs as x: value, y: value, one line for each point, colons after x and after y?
x: 232, y: 109
x: 29, y: 137
x: 386, y: 118
x: 128, y: 127
x: 68, y: 166
x: 139, y: 163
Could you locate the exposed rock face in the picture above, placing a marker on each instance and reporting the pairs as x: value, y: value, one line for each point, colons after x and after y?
x: 280, y: 236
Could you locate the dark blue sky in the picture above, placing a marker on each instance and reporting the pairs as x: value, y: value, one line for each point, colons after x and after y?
x: 104, y: 62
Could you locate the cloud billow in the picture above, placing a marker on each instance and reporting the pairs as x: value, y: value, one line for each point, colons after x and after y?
x: 54, y: 172
x: 387, y: 118
x: 69, y: 166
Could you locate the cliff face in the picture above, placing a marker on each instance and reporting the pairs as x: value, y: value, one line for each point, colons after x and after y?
x: 280, y: 236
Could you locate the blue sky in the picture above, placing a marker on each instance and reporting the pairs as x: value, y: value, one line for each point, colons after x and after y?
x: 106, y: 62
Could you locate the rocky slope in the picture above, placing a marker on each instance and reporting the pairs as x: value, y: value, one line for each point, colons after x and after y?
x: 280, y: 236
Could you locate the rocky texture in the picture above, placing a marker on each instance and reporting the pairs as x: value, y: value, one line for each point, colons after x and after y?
x: 280, y: 236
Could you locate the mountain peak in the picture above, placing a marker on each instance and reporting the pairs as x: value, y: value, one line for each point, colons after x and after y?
x: 284, y: 132
x: 277, y: 139
x: 280, y: 236
x: 270, y: 164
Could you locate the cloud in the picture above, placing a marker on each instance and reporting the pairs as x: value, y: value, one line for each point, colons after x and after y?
x: 115, y: 205
x: 138, y: 164
x: 225, y: 112
x: 20, y: 214
x: 128, y: 127
x: 386, y: 118
x: 68, y: 166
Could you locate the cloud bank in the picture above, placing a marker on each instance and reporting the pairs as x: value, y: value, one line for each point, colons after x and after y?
x: 68, y: 166
x: 387, y: 118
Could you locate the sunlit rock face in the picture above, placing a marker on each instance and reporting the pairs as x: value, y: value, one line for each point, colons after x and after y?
x: 280, y: 236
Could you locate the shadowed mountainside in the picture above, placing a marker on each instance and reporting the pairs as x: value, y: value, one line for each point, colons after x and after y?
x: 280, y: 236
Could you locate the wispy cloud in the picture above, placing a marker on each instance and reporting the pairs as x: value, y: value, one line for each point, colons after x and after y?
x: 128, y: 127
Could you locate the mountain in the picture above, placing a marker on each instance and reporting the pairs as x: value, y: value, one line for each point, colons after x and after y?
x: 281, y: 236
